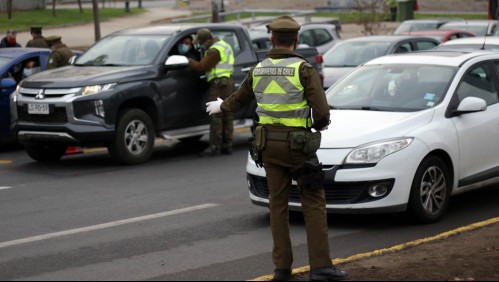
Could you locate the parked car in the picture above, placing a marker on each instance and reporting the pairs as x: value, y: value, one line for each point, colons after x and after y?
x: 417, y: 25
x: 474, y: 43
x: 481, y: 28
x: 407, y: 132
x: 443, y: 35
x: 122, y: 93
x: 348, y: 54
x: 322, y: 36
x: 13, y: 61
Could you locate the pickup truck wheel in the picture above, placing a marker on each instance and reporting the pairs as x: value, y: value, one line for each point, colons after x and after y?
x: 431, y: 190
x: 45, y: 152
x: 134, y: 142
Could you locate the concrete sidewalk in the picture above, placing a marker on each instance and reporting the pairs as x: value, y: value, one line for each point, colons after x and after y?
x: 79, y: 36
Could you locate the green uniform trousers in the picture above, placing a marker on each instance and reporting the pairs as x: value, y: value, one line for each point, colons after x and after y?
x: 222, y: 125
x: 280, y: 164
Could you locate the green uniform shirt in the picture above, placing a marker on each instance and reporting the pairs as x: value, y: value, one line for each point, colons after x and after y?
x: 38, y: 42
x: 60, y: 57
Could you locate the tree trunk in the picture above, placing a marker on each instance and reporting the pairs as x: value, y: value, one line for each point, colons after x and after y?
x: 53, y: 8
x: 81, y: 7
x: 95, y: 6
x: 9, y: 10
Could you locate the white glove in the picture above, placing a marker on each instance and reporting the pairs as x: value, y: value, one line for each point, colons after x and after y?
x: 213, y: 108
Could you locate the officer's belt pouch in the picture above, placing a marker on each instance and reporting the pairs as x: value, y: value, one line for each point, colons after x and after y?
x: 313, y: 142
x: 307, y: 142
x: 260, y: 138
x: 224, y: 81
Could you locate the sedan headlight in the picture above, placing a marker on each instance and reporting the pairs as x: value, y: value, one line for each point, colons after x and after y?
x: 96, y: 89
x: 375, y: 152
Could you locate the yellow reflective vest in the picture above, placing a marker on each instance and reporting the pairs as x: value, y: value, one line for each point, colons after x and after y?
x: 225, y: 68
x: 279, y: 93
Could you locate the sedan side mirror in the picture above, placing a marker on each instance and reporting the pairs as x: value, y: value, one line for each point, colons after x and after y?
x: 176, y: 62
x: 471, y: 105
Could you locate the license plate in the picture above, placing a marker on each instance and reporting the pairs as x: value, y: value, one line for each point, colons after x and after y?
x: 38, y: 109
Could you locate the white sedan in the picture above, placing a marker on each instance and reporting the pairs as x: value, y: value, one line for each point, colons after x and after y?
x: 407, y: 132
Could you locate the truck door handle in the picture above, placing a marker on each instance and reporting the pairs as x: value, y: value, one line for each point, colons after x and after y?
x: 246, y: 69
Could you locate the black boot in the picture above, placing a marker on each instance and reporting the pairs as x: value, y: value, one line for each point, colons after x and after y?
x: 211, y: 151
x: 227, y: 149
x: 282, y: 275
x: 328, y: 274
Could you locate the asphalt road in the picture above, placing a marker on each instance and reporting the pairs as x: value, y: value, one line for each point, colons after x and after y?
x: 178, y: 217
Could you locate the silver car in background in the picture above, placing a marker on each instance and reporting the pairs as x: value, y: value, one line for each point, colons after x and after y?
x: 348, y: 54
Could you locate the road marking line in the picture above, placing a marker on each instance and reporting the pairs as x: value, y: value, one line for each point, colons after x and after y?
x: 104, y: 226
x: 393, y: 249
x: 3, y: 162
x: 4, y: 187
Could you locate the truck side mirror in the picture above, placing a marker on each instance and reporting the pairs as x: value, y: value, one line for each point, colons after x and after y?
x: 176, y: 62
x: 7, y: 86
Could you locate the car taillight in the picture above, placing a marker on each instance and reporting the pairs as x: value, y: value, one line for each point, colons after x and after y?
x: 319, y: 59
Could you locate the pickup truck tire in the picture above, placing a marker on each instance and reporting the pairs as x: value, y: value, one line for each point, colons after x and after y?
x: 45, y: 152
x: 135, y: 136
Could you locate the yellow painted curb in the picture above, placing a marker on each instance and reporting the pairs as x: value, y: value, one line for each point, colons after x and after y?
x: 400, y: 247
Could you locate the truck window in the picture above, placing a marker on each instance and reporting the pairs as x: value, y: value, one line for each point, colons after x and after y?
x: 231, y: 38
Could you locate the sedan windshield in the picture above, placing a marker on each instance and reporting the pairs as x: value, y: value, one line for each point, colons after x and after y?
x: 124, y: 50
x: 394, y: 88
x: 352, y: 54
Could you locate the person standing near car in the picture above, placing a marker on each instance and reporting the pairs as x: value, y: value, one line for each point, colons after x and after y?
x: 218, y: 64
x: 38, y: 40
x: 291, y: 101
x: 60, y: 53
x: 10, y: 41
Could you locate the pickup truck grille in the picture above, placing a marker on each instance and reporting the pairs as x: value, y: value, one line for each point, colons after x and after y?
x: 57, y: 115
x: 49, y: 93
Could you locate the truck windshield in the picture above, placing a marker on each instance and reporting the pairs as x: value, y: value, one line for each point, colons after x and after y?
x: 124, y: 50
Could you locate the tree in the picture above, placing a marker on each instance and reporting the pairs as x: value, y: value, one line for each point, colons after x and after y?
x: 9, y: 10
x: 371, y: 13
x: 95, y: 7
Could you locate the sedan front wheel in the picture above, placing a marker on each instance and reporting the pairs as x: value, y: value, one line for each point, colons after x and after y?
x: 430, y: 191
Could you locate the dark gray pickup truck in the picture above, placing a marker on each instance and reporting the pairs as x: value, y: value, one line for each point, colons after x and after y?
x: 126, y: 90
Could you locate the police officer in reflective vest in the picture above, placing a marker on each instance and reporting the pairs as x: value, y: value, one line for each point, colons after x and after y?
x: 291, y: 102
x: 218, y: 64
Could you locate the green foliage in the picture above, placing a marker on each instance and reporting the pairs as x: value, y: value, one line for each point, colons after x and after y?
x: 23, y: 20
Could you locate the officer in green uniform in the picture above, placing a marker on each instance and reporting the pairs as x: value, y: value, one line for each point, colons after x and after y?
x: 60, y: 53
x: 38, y: 40
x: 218, y: 64
x: 291, y: 101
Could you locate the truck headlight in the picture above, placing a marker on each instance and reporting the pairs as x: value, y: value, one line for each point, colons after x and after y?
x: 96, y: 89
x: 13, y: 96
x: 375, y: 152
